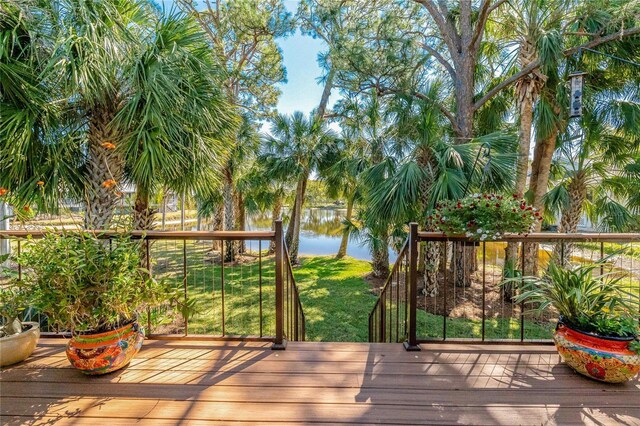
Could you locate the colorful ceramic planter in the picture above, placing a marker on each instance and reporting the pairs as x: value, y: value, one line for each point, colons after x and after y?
x: 605, y: 359
x: 103, y: 353
x: 18, y: 347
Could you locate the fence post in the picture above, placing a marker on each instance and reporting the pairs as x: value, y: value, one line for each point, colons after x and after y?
x: 412, y: 341
x: 279, y: 343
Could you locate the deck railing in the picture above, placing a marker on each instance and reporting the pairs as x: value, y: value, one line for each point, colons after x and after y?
x: 254, y: 297
x: 449, y: 288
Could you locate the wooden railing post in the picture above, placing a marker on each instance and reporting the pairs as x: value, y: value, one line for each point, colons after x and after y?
x: 279, y: 343
x: 412, y: 340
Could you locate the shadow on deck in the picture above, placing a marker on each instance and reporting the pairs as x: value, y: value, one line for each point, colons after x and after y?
x: 178, y: 382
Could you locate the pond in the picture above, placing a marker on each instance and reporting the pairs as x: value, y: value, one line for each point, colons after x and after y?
x: 320, y: 234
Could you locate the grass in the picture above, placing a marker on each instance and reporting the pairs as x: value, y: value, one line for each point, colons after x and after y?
x: 627, y: 249
x: 335, y: 297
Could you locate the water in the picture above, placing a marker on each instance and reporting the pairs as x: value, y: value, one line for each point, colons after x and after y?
x: 320, y: 234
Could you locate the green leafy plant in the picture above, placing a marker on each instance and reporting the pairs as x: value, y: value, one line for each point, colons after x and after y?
x: 83, y: 283
x: 483, y: 216
x: 13, y: 302
x: 594, y: 304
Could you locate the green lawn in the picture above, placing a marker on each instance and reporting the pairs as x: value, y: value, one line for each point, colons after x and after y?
x: 335, y: 297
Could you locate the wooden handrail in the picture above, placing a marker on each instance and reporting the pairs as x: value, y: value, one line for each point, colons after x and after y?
x: 152, y: 235
x: 539, y: 237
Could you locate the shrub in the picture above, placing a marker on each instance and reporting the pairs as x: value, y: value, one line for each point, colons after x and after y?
x: 598, y: 305
x: 83, y: 283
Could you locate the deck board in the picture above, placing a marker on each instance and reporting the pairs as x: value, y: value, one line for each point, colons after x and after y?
x: 173, y: 382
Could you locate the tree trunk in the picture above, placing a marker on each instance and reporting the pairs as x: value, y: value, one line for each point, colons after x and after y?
x: 431, y: 264
x: 229, y: 216
x: 105, y: 170
x: 143, y: 220
x: 380, y: 258
x: 526, y: 119
x: 289, y: 234
x: 571, y: 215
x: 164, y: 210
x: 218, y: 222
x: 540, y: 169
x: 464, y: 86
x: 142, y: 213
x: 5, y: 225
x: 326, y: 92
x: 464, y: 263
x: 276, y: 212
x: 342, y: 251
x: 295, y: 220
x: 240, y: 220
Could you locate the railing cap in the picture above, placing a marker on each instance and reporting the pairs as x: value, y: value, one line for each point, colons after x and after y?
x: 539, y: 237
x: 152, y: 235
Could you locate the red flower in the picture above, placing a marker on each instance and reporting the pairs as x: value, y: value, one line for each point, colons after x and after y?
x: 3, y: 191
x: 497, y: 204
x: 596, y: 370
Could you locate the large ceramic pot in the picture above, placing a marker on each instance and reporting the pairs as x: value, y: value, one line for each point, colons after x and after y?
x: 19, y: 346
x: 607, y: 359
x: 102, y: 353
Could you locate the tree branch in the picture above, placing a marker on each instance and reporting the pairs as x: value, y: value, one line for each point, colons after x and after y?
x: 485, y: 11
x: 536, y: 64
x: 441, y: 59
x: 448, y: 32
x: 422, y: 96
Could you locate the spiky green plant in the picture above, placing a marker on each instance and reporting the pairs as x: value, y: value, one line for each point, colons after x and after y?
x: 596, y: 304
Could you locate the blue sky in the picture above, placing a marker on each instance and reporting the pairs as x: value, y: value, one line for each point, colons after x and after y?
x: 302, y: 91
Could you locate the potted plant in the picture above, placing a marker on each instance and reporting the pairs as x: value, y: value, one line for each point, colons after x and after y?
x: 94, y: 289
x: 597, y: 331
x: 18, y: 339
x: 482, y: 217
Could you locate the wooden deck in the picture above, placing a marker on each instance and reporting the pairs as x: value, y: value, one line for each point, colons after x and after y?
x: 178, y: 382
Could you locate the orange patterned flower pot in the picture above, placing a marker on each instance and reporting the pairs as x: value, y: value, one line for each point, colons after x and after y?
x: 605, y: 359
x: 103, y: 353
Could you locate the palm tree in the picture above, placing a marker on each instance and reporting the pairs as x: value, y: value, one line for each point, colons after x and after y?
x: 341, y: 178
x: 31, y: 141
x: 431, y: 167
x: 296, y: 147
x: 263, y: 192
x: 536, y: 28
x: 588, y: 176
x: 371, y: 133
x: 142, y: 95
